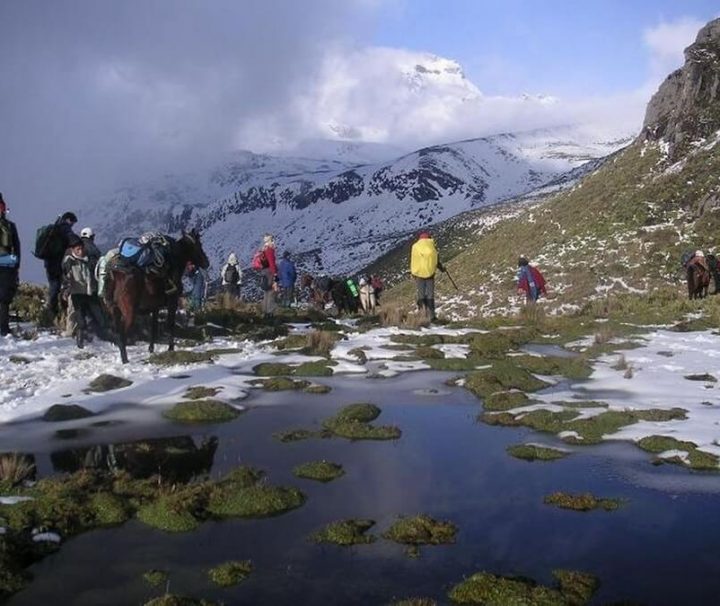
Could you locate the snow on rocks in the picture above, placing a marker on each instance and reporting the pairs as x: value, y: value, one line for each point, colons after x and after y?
x: 14, y: 500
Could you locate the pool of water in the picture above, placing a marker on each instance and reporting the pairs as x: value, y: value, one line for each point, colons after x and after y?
x: 659, y: 548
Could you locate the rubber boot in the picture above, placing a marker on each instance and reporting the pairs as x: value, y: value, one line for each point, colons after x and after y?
x: 80, y: 338
x: 431, y: 309
x: 4, y: 319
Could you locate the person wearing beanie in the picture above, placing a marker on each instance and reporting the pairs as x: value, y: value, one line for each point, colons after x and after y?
x: 424, y: 262
x: 66, y: 237
x: 287, y: 275
x: 530, y: 282
x: 9, y: 266
x: 231, y: 276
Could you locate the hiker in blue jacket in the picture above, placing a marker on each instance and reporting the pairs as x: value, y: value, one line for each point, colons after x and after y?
x: 195, y: 287
x: 287, y: 275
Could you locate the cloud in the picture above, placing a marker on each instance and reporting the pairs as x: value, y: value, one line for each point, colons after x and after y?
x: 666, y: 43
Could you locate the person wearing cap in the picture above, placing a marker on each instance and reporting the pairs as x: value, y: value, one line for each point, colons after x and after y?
x: 87, y: 235
x: 424, y: 262
x: 81, y: 287
x: 53, y: 265
x: 231, y: 276
x: 9, y: 266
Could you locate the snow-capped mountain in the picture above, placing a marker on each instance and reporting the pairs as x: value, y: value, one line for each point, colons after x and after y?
x: 339, y: 215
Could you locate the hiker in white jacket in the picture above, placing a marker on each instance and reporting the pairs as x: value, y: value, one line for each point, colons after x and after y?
x: 231, y: 275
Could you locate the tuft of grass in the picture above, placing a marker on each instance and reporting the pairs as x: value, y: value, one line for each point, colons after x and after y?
x: 321, y: 342
x: 15, y: 468
x: 580, y: 502
x: 172, y: 512
x: 320, y: 471
x: 156, y: 578
x: 533, y: 452
x: 202, y: 411
x: 346, y: 533
x: 231, y: 573
x: 256, y: 501
x: 620, y: 364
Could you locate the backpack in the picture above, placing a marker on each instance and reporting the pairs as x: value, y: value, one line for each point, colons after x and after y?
x: 231, y: 275
x: 259, y: 260
x: 49, y: 242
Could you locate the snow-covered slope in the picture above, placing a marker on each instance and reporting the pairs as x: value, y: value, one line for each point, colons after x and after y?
x: 338, y: 215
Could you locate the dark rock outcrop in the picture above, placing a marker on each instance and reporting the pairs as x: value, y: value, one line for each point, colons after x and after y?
x: 686, y: 107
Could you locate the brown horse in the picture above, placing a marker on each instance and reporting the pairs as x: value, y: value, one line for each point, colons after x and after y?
x: 698, y: 281
x: 136, y: 292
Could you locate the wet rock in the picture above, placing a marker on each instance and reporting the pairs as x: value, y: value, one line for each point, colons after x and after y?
x: 105, y: 382
x: 66, y: 412
x: 200, y: 392
x: 705, y: 377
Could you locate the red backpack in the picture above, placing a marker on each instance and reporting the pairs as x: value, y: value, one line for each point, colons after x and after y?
x: 259, y: 261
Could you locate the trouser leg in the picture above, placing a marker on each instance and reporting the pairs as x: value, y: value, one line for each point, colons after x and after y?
x: 4, y: 319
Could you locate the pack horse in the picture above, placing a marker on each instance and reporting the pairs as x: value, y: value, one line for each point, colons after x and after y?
x: 133, y: 291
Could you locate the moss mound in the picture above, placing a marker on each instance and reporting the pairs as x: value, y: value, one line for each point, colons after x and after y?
x: 294, y: 435
x: 695, y: 459
x: 231, y: 573
x: 169, y: 513
x: 505, y: 400
x: 453, y: 364
x: 429, y: 353
x: 66, y: 412
x: 181, y: 357
x: 282, y: 384
x: 571, y: 368
x: 202, y: 411
x: 321, y: 471
x: 353, y: 423
x: 108, y: 509
x: 156, y: 578
x: 573, y: 589
x: 532, y: 452
x: 200, y: 393
x: 360, y: 413
x: 502, y: 376
x: 272, y: 369
x: 421, y: 530
x: 346, y: 533
x: 580, y: 502
x: 256, y: 501
x: 105, y: 382
x: 313, y: 369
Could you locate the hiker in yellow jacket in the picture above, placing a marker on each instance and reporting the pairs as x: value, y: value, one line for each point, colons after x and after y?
x: 424, y: 262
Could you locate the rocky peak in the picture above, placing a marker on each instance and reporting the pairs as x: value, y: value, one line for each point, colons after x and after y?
x: 686, y: 107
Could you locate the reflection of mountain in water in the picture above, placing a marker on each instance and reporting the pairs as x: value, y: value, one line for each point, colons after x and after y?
x: 177, y: 459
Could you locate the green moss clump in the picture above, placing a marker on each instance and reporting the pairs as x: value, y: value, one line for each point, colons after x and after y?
x: 202, y: 411
x: 429, y: 353
x: 224, y: 351
x: 497, y: 344
x: 421, y: 530
x: 105, y: 382
x: 200, y: 393
x: 580, y: 502
x: 502, y: 376
x: 109, y: 510
x: 321, y: 471
x: 177, y: 600
x: 282, y: 384
x: 313, y: 369
x: 293, y: 341
x: 696, y: 459
x: 573, y: 589
x: 257, y: 501
x: 346, y: 533
x: 418, y: 340
x: 181, y: 357
x: 353, y: 423
x: 361, y: 413
x: 318, y: 389
x: 231, y: 573
x: 532, y: 452
x: 294, y: 435
x: 505, y: 400
x: 272, y: 369
x: 66, y: 412
x: 572, y: 368
x: 156, y: 578
x: 171, y: 513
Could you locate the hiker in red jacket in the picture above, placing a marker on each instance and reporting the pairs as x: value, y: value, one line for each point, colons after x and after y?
x: 268, y: 281
x: 530, y: 281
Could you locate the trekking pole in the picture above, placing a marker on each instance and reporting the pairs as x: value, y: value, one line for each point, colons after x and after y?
x: 447, y: 273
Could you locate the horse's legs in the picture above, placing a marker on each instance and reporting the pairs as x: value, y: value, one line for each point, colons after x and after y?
x: 172, y: 311
x: 153, y: 330
x: 121, y: 334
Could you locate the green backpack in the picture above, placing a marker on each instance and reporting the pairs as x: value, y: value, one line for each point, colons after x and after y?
x: 49, y: 243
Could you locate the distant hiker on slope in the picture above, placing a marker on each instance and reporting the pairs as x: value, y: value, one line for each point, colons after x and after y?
x: 9, y: 267
x: 530, y: 281
x: 231, y: 275
x: 424, y: 262
x: 287, y: 275
x: 50, y: 245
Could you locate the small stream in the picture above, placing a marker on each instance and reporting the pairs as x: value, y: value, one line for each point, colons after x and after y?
x: 659, y: 548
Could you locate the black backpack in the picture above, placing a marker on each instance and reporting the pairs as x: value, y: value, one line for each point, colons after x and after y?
x: 231, y: 274
x: 49, y: 242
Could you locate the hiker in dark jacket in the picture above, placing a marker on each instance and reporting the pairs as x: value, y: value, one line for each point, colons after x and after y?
x: 53, y: 265
x: 287, y: 275
x: 9, y: 267
x: 81, y: 286
x: 194, y: 287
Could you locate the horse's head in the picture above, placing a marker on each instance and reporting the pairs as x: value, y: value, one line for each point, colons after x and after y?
x: 193, y: 249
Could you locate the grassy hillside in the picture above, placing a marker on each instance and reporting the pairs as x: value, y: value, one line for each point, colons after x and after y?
x: 621, y: 229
